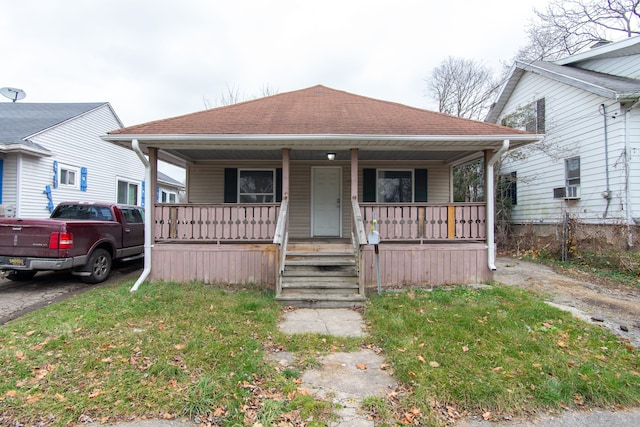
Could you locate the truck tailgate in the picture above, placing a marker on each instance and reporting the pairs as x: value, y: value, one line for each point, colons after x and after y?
x: 19, y: 238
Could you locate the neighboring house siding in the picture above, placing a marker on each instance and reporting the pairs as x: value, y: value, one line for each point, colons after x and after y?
x: 206, y: 186
x: 622, y: 66
x: 574, y: 127
x: 9, y: 183
x: 634, y: 164
x: 77, y: 143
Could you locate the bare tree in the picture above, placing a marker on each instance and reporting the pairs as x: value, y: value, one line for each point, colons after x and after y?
x: 568, y: 26
x: 462, y: 87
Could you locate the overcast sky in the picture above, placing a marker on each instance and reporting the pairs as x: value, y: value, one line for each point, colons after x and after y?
x: 153, y: 59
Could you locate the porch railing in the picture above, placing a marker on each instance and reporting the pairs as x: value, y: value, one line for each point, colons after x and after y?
x: 215, y: 222
x: 358, y: 239
x: 280, y: 239
x: 414, y: 221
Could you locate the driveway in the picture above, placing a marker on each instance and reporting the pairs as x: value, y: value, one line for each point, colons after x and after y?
x: 615, y: 307
x: 18, y: 298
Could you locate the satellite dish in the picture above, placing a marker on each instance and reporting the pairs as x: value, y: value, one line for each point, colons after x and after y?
x: 12, y: 93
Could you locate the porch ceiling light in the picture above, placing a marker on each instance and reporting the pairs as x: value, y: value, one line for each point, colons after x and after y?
x: 331, y: 156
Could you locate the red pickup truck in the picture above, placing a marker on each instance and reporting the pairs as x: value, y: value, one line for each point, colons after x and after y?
x: 83, y: 238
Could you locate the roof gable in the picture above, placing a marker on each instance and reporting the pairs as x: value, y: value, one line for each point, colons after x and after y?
x: 606, y: 85
x: 317, y: 110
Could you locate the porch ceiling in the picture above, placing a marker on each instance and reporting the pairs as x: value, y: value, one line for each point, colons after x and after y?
x: 314, y: 155
x: 185, y: 149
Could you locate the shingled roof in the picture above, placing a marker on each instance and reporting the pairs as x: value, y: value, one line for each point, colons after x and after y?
x: 317, y: 110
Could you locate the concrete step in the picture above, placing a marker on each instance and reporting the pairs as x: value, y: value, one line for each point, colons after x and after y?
x: 322, y: 282
x: 307, y: 300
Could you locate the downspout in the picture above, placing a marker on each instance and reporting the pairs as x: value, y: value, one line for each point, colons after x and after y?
x: 490, y: 200
x: 147, y: 218
x: 627, y: 172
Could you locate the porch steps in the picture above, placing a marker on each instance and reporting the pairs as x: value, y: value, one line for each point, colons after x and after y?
x: 320, y: 275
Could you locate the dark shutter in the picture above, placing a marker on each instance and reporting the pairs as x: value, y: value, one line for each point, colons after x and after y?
x: 368, y: 185
x: 230, y: 185
x: 278, y: 184
x: 420, y: 185
x: 540, y: 116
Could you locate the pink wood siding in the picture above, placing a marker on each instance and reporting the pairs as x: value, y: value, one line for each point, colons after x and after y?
x: 226, y: 263
x: 400, y: 264
x: 427, y: 264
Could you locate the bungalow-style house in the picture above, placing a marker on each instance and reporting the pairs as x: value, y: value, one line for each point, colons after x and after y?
x: 587, y: 168
x: 52, y: 152
x: 168, y: 190
x: 294, y: 189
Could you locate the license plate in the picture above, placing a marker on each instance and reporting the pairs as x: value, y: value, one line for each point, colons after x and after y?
x: 17, y: 262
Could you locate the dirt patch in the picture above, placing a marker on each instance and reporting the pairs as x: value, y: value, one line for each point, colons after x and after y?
x: 613, y: 306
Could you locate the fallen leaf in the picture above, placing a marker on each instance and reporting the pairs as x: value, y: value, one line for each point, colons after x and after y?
x: 487, y: 416
x: 361, y: 366
x: 578, y: 400
x: 434, y: 364
x: 385, y: 366
x: 303, y: 391
x: 497, y: 369
x: 561, y: 344
x: 180, y: 346
x: 421, y: 359
x: 95, y: 393
x: 218, y: 412
x: 168, y: 416
x: 29, y: 333
x: 465, y: 348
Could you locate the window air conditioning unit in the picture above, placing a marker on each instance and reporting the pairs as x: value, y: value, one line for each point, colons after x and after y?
x: 570, y: 192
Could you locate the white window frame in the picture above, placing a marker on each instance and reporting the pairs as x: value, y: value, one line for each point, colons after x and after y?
x: 67, y: 168
x: 166, y: 196
x: 273, y: 177
x: 413, y: 183
x: 129, y: 183
x: 572, y: 181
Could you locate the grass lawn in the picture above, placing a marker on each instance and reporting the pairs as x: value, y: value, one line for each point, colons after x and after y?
x: 196, y: 351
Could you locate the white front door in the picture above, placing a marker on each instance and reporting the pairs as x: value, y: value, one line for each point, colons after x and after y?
x: 326, y: 202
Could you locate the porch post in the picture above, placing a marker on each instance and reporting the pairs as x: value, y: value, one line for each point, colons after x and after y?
x: 151, y: 196
x: 354, y: 174
x: 285, y: 173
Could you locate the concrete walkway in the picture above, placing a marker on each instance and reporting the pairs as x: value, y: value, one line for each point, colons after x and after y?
x: 345, y: 378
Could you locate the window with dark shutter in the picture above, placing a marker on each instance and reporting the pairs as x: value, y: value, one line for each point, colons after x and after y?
x: 231, y: 185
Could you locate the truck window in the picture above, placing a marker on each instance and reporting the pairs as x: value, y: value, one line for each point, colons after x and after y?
x: 133, y: 215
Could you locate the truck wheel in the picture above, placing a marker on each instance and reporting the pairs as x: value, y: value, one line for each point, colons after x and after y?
x: 20, y: 275
x: 99, y: 266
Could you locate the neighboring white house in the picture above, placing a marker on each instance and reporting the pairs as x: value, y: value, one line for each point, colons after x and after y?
x: 587, y: 168
x: 51, y: 152
x: 169, y: 190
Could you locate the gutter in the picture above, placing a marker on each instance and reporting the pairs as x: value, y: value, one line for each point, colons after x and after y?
x: 491, y: 198
x: 147, y: 219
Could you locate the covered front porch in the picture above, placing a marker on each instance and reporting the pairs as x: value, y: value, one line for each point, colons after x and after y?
x: 421, y: 243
